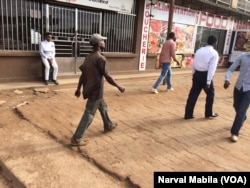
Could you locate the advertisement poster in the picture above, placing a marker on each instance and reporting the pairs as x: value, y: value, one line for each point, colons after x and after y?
x: 157, y: 35
x: 184, y: 27
x: 184, y: 40
x: 241, y: 44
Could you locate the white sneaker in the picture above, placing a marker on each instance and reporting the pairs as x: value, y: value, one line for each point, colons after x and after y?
x: 171, y: 89
x: 234, y: 138
x: 154, y: 91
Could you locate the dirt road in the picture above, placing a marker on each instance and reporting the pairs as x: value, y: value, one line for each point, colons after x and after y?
x: 35, y: 129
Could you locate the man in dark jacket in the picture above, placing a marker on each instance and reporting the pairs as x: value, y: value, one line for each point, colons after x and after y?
x: 94, y: 71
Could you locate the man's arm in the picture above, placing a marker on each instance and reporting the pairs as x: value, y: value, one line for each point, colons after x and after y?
x: 212, y: 68
x: 111, y: 81
x: 173, y: 53
x: 54, y: 51
x: 230, y: 71
x: 41, y: 51
x: 104, y: 71
x: 79, y: 86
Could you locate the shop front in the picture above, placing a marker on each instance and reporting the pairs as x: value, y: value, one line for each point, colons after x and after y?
x: 23, y: 24
x: 135, y: 31
x: 192, y: 28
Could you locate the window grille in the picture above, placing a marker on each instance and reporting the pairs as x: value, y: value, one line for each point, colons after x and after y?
x: 120, y: 30
x: 23, y: 24
x: 20, y: 24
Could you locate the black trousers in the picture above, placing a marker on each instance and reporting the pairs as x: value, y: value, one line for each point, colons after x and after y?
x: 199, y: 83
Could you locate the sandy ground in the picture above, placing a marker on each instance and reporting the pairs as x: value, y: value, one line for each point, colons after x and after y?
x: 151, y: 134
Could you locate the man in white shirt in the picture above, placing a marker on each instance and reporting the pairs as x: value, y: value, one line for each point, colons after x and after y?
x: 48, y: 52
x: 203, y: 70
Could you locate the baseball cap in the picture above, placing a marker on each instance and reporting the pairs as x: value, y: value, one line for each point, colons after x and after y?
x: 95, y: 38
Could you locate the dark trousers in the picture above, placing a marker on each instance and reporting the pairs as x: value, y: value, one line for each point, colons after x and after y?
x: 199, y: 83
x: 88, y: 115
x: 241, y: 104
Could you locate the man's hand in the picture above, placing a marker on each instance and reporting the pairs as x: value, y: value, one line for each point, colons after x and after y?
x: 78, y: 93
x: 121, y: 89
x: 226, y: 84
x: 207, y: 87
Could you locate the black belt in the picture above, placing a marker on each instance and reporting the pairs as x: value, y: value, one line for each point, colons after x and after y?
x: 201, y: 71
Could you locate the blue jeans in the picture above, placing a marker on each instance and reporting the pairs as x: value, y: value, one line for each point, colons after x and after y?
x: 241, y: 104
x: 166, y: 71
x: 87, y: 117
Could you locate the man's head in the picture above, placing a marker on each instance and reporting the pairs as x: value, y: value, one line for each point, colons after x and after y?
x: 48, y: 36
x: 97, y: 40
x: 212, y: 40
x: 171, y: 35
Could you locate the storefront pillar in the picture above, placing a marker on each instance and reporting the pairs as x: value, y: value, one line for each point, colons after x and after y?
x: 170, y: 16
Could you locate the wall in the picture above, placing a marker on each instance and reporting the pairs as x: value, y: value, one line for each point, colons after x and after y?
x: 19, y: 66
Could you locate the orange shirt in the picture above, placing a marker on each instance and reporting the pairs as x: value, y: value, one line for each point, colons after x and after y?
x: 167, y: 51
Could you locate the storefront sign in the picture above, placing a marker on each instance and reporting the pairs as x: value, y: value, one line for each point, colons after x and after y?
x: 180, y: 15
x: 228, y: 37
x: 241, y: 25
x: 213, y: 21
x: 113, y: 5
x: 144, y: 37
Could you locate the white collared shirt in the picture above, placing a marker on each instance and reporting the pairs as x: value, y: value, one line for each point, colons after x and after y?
x: 206, y: 59
x: 47, y: 49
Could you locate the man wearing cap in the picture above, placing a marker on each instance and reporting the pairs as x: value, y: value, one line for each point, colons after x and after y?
x: 94, y: 71
x: 203, y: 70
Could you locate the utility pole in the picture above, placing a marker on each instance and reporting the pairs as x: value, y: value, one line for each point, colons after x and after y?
x: 170, y: 15
x: 170, y: 23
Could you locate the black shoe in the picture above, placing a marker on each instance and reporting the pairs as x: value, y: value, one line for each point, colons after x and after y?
x: 212, y: 116
x: 189, y: 117
x: 46, y: 82
x: 56, y: 82
x: 106, y: 130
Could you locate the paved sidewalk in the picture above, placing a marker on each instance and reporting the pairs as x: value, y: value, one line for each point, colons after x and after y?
x: 71, y: 79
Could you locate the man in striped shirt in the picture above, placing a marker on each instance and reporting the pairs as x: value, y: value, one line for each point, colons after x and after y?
x: 241, y: 92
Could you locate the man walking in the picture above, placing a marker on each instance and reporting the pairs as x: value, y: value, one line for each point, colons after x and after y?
x: 203, y: 70
x: 167, y: 52
x: 241, y: 95
x: 94, y: 70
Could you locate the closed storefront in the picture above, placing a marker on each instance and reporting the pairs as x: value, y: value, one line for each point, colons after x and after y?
x: 23, y: 24
x: 135, y: 31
